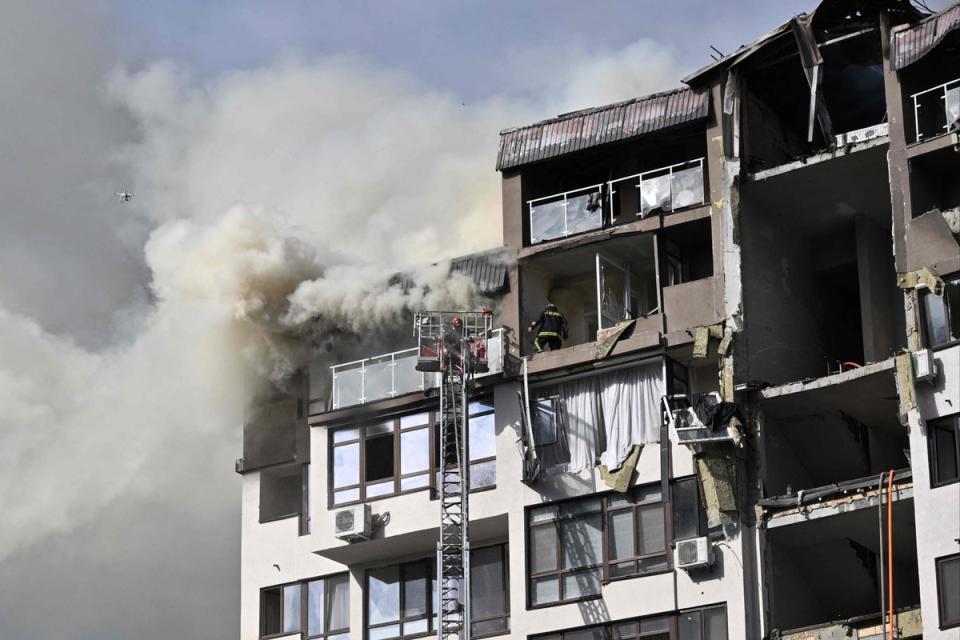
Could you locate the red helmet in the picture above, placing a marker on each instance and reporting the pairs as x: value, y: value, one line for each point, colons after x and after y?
x: 457, y: 322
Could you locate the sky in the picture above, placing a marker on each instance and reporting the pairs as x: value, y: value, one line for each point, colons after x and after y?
x: 284, y: 156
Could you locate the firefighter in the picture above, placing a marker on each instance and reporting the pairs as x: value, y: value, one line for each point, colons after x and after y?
x: 452, y: 338
x: 552, y: 326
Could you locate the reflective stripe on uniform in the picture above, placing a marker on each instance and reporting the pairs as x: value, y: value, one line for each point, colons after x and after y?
x: 548, y: 334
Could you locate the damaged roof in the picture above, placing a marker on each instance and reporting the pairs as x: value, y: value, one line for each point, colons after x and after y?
x: 487, y: 268
x: 913, y: 43
x: 829, y: 19
x: 599, y: 125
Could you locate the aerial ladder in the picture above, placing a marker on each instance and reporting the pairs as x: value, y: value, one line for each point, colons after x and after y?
x: 453, y: 346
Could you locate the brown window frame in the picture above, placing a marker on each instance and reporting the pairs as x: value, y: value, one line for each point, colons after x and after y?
x: 947, y: 423
x: 605, y: 563
x: 432, y: 428
x: 672, y: 631
x: 431, y: 615
x: 304, y: 586
x: 938, y: 562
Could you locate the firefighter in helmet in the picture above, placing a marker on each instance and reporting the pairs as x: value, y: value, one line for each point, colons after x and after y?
x: 551, y: 326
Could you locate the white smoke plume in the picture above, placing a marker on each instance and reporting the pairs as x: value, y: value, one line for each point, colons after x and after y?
x: 281, y: 203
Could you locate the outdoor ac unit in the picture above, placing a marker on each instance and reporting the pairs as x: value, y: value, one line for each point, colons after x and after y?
x: 353, y: 524
x: 924, y: 366
x: 862, y: 135
x: 694, y: 553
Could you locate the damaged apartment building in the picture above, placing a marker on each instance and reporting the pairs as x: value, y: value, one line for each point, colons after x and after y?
x: 752, y: 428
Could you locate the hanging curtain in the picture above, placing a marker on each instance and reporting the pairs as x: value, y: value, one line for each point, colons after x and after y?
x: 581, y: 417
x: 630, y: 406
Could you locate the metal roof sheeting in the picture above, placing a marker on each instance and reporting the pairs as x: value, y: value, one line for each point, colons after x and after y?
x: 487, y: 269
x: 601, y: 125
x: 914, y: 43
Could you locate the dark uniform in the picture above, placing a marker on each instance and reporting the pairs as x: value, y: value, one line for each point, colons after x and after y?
x: 552, y: 325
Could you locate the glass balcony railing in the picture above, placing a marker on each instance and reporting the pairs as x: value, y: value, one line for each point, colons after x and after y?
x: 662, y: 190
x: 936, y: 111
x: 394, y: 374
x: 565, y: 214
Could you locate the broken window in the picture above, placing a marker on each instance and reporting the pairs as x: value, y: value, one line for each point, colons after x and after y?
x: 941, y: 315
x: 575, y: 544
x: 943, y: 441
x: 401, y: 600
x: 281, y: 492
x: 948, y: 591
x: 565, y: 214
x: 365, y: 458
x: 708, y: 623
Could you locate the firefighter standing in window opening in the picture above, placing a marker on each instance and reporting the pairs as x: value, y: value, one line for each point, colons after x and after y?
x: 552, y: 326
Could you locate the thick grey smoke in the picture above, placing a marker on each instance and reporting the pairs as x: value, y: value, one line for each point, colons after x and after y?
x: 271, y: 204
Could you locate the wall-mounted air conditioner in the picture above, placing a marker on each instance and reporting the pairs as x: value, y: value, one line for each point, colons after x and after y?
x: 924, y: 366
x: 693, y: 553
x: 353, y: 524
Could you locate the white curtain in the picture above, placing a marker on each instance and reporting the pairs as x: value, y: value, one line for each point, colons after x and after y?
x: 581, y: 417
x: 630, y: 404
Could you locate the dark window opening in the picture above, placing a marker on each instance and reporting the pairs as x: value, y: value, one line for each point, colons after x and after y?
x: 379, y: 457
x: 948, y: 591
x: 841, y: 328
x: 943, y: 440
x: 281, y: 492
x: 687, y: 253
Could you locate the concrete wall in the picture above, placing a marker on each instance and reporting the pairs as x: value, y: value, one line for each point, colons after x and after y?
x: 937, y: 510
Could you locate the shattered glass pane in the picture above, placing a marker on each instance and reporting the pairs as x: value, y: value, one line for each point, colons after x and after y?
x: 654, y: 194
x: 546, y: 221
x: 584, y: 212
x: 953, y: 108
x: 687, y: 187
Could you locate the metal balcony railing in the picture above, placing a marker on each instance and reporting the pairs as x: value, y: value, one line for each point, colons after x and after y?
x: 394, y: 374
x: 936, y: 111
x: 567, y: 213
x: 664, y: 189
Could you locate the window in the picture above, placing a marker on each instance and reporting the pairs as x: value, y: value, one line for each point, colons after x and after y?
x: 575, y: 544
x: 948, y: 590
x: 281, y: 492
x: 943, y: 442
x: 313, y: 609
x: 394, y: 456
x: 698, y: 624
x: 401, y: 599
x: 941, y: 315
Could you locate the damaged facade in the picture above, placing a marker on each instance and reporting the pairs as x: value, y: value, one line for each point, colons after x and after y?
x: 752, y: 429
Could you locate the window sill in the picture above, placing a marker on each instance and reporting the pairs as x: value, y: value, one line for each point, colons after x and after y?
x: 603, y: 583
x: 944, y: 484
x: 944, y: 346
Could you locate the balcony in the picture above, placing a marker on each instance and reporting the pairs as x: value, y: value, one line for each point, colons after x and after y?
x: 936, y: 111
x: 661, y: 190
x: 394, y: 374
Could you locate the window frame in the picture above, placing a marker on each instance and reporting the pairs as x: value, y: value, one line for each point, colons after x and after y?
x: 671, y: 617
x: 944, y: 423
x: 938, y: 562
x: 948, y: 281
x: 398, y: 475
x: 605, y: 563
x: 304, y: 585
x: 432, y: 615
x: 433, y: 433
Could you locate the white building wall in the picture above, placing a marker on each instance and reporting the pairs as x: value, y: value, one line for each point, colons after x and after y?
x: 411, y: 533
x: 937, y: 510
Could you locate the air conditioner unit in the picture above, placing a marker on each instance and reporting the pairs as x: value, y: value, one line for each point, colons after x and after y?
x: 863, y: 135
x: 924, y: 366
x: 693, y: 553
x: 353, y: 524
